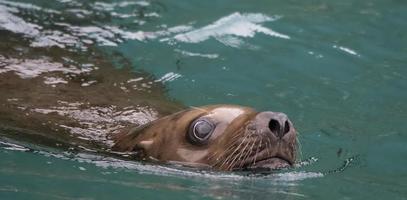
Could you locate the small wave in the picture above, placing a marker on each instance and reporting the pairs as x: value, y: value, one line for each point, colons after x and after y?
x: 168, y: 77
x: 13, y: 147
x: 236, y: 24
x: 297, y: 176
x: 347, y: 50
x: 192, y: 54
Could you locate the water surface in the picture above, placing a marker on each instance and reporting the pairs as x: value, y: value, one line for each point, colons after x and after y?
x: 335, y: 67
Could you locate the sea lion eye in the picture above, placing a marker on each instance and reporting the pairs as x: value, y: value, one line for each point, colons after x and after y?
x: 200, y: 131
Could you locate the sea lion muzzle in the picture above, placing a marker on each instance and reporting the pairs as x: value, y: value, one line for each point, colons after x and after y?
x: 275, y: 130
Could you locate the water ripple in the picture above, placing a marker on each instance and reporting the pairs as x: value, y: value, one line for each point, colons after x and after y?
x: 69, y: 30
x: 162, y: 170
x: 235, y: 24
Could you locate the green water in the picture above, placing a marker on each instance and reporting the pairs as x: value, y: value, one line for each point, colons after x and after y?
x: 337, y: 68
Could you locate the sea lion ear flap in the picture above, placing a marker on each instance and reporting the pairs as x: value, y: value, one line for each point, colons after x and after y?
x: 145, y: 144
x: 128, y: 141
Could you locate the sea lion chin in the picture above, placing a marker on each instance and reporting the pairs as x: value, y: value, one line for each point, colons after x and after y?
x: 223, y: 137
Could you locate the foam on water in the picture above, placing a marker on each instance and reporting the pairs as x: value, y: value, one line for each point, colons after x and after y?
x: 235, y: 24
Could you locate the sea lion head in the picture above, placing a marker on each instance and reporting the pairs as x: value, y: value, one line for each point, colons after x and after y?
x: 224, y: 137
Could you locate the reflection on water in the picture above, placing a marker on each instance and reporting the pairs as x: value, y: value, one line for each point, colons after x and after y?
x: 71, y: 32
x: 81, y: 95
x: 77, y: 97
x: 68, y: 27
x: 28, y: 68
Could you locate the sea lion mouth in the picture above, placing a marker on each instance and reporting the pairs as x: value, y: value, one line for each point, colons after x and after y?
x: 274, y: 162
x: 268, y: 162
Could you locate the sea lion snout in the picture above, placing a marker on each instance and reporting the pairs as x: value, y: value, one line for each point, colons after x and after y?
x: 277, y: 123
x: 269, y: 141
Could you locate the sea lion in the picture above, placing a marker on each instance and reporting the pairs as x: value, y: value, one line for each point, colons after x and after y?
x: 222, y: 137
x: 56, y: 97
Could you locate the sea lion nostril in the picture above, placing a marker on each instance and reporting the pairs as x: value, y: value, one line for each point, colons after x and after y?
x: 279, y: 128
x: 286, y: 127
x: 274, y: 126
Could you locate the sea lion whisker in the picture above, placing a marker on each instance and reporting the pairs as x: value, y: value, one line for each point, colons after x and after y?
x: 247, y: 154
x: 225, y: 160
x: 218, y: 159
x: 235, y: 141
x: 198, y: 108
x: 232, y: 161
x: 223, y: 153
x: 299, y: 147
x: 239, y: 155
x: 231, y: 155
x: 268, y: 146
x: 229, y: 148
x: 257, y: 152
